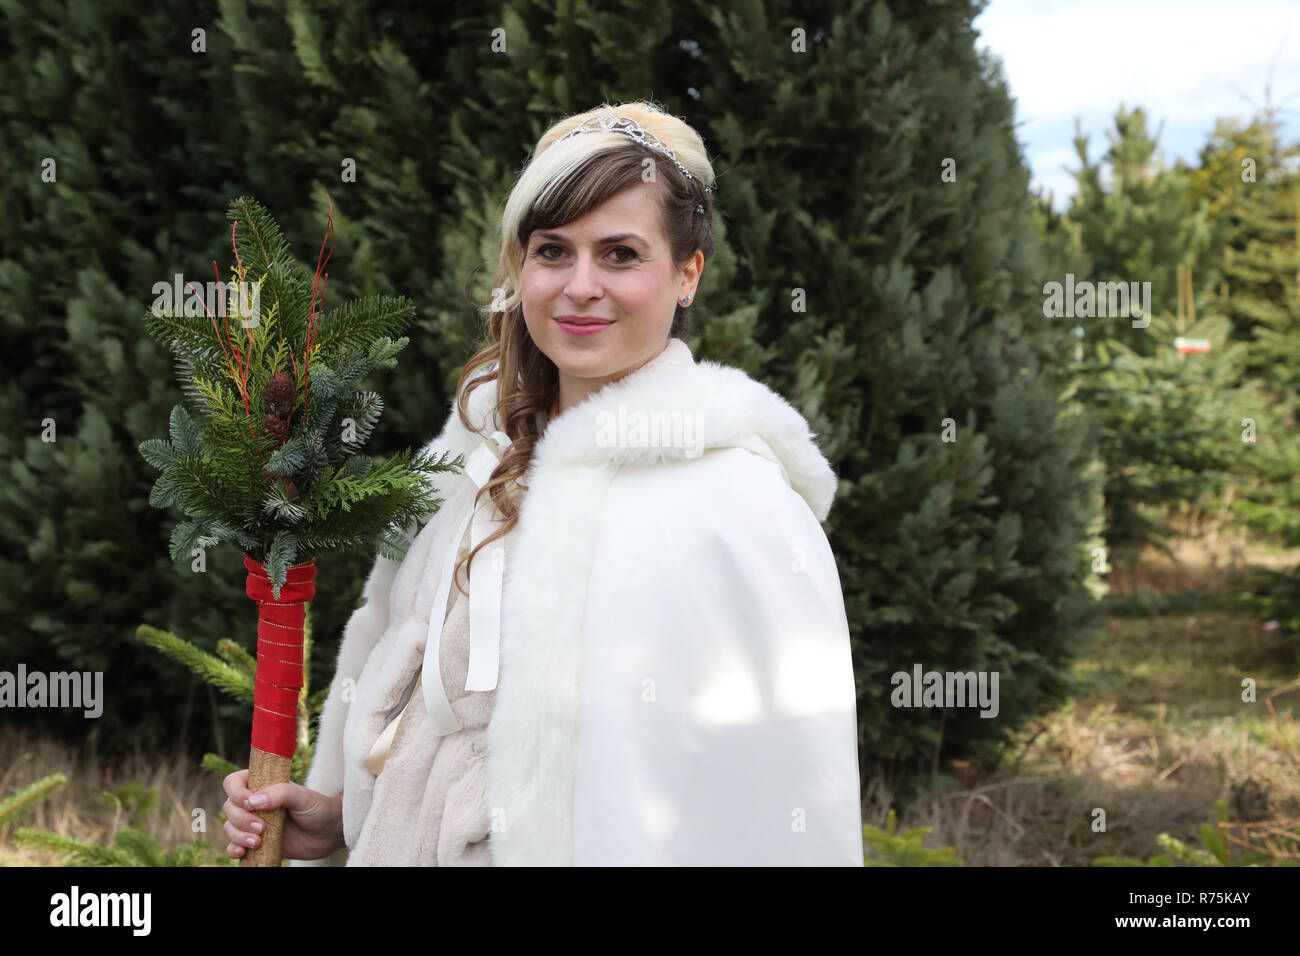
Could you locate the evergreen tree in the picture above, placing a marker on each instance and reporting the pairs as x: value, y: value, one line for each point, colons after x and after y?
x: 1250, y: 180
x: 876, y: 264
x: 1170, y: 422
x: 1139, y: 222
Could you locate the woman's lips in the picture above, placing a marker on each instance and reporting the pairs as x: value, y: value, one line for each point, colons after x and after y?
x: 574, y: 325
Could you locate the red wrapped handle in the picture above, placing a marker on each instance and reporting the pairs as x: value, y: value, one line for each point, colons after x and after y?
x: 279, y: 653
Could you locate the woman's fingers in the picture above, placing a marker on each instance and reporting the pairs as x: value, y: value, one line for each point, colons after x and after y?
x: 242, y: 827
x: 240, y: 837
x: 245, y: 820
x: 236, y: 786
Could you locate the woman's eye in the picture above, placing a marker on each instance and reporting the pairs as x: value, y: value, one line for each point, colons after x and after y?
x: 632, y: 255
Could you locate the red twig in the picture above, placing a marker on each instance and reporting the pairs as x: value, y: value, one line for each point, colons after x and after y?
x: 222, y: 341
x: 316, y: 285
x: 244, y: 366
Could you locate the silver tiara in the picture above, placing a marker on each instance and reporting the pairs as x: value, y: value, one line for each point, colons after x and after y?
x: 609, y: 123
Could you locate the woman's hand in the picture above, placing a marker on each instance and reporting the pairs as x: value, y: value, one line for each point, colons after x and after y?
x: 313, y: 822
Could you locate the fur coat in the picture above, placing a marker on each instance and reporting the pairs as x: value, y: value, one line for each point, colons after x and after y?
x: 675, y: 684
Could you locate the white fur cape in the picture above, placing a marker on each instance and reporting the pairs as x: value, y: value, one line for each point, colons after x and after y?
x: 675, y: 678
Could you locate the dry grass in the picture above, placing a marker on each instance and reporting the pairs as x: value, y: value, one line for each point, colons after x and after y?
x: 1161, y: 736
x: 77, y: 810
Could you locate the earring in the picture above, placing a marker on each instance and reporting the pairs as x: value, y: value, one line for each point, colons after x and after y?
x: 686, y: 300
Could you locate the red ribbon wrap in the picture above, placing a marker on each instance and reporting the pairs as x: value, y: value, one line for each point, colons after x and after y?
x: 279, y: 653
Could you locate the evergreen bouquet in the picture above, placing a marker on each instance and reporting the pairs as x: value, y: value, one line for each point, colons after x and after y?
x: 274, y: 461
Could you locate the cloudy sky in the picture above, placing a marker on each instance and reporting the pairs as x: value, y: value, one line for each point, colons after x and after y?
x: 1184, y: 62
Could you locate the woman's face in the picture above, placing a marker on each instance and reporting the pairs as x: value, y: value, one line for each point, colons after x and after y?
x: 612, y: 264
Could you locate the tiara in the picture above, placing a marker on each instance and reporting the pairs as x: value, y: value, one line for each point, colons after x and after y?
x: 608, y: 123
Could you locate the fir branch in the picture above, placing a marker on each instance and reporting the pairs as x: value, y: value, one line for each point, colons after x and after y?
x: 174, y: 330
x: 215, y: 671
x: 365, y: 412
x: 184, y: 433
x: 279, y: 506
x: 164, y: 492
x: 289, y: 459
x: 157, y: 453
x: 192, y: 854
x: 218, y: 765
x: 357, y: 322
x: 79, y: 851
x: 204, y: 488
x: 184, y: 539
x: 283, y: 553
x: 16, y: 804
x: 139, y: 849
x: 235, y: 654
x: 264, y: 250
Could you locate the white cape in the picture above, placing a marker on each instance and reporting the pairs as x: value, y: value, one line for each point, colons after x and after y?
x: 675, y: 683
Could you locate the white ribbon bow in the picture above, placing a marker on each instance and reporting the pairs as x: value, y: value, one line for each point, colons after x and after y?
x: 487, y: 574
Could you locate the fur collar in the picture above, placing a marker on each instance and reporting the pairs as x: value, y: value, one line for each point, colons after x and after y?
x: 724, y: 406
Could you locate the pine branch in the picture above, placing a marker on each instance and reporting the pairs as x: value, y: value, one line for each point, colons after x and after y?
x: 357, y: 323
x: 16, y: 804
x: 218, y: 765
x: 139, y: 849
x: 215, y: 671
x: 80, y: 851
x: 265, y: 252
x: 235, y: 654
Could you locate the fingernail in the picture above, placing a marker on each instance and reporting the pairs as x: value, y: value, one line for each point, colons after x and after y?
x: 251, y: 841
x: 255, y: 826
x: 257, y: 801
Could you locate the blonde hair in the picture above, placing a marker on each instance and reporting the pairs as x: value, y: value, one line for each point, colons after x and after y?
x: 561, y: 183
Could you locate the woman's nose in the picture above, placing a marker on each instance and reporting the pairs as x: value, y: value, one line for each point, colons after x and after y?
x: 583, y: 282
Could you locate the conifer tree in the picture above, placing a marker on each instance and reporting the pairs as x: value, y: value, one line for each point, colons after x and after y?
x: 1170, y: 422
x: 856, y: 274
x: 1250, y: 180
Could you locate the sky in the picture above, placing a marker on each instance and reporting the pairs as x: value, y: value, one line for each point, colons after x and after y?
x: 1185, y: 63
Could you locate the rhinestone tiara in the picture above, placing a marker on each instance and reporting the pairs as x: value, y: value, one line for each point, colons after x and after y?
x: 609, y: 123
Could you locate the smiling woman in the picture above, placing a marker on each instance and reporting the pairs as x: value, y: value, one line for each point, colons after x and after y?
x: 610, y: 221
x: 598, y: 300
x: 652, y: 665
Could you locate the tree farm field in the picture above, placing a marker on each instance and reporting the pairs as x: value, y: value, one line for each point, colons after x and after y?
x: 1162, y: 733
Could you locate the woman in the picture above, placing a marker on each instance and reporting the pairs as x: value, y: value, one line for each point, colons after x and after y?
x: 652, y: 665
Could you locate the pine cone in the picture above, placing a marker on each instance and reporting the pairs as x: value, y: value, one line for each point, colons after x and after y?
x: 274, y: 425
x: 291, y: 489
x: 279, y: 394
